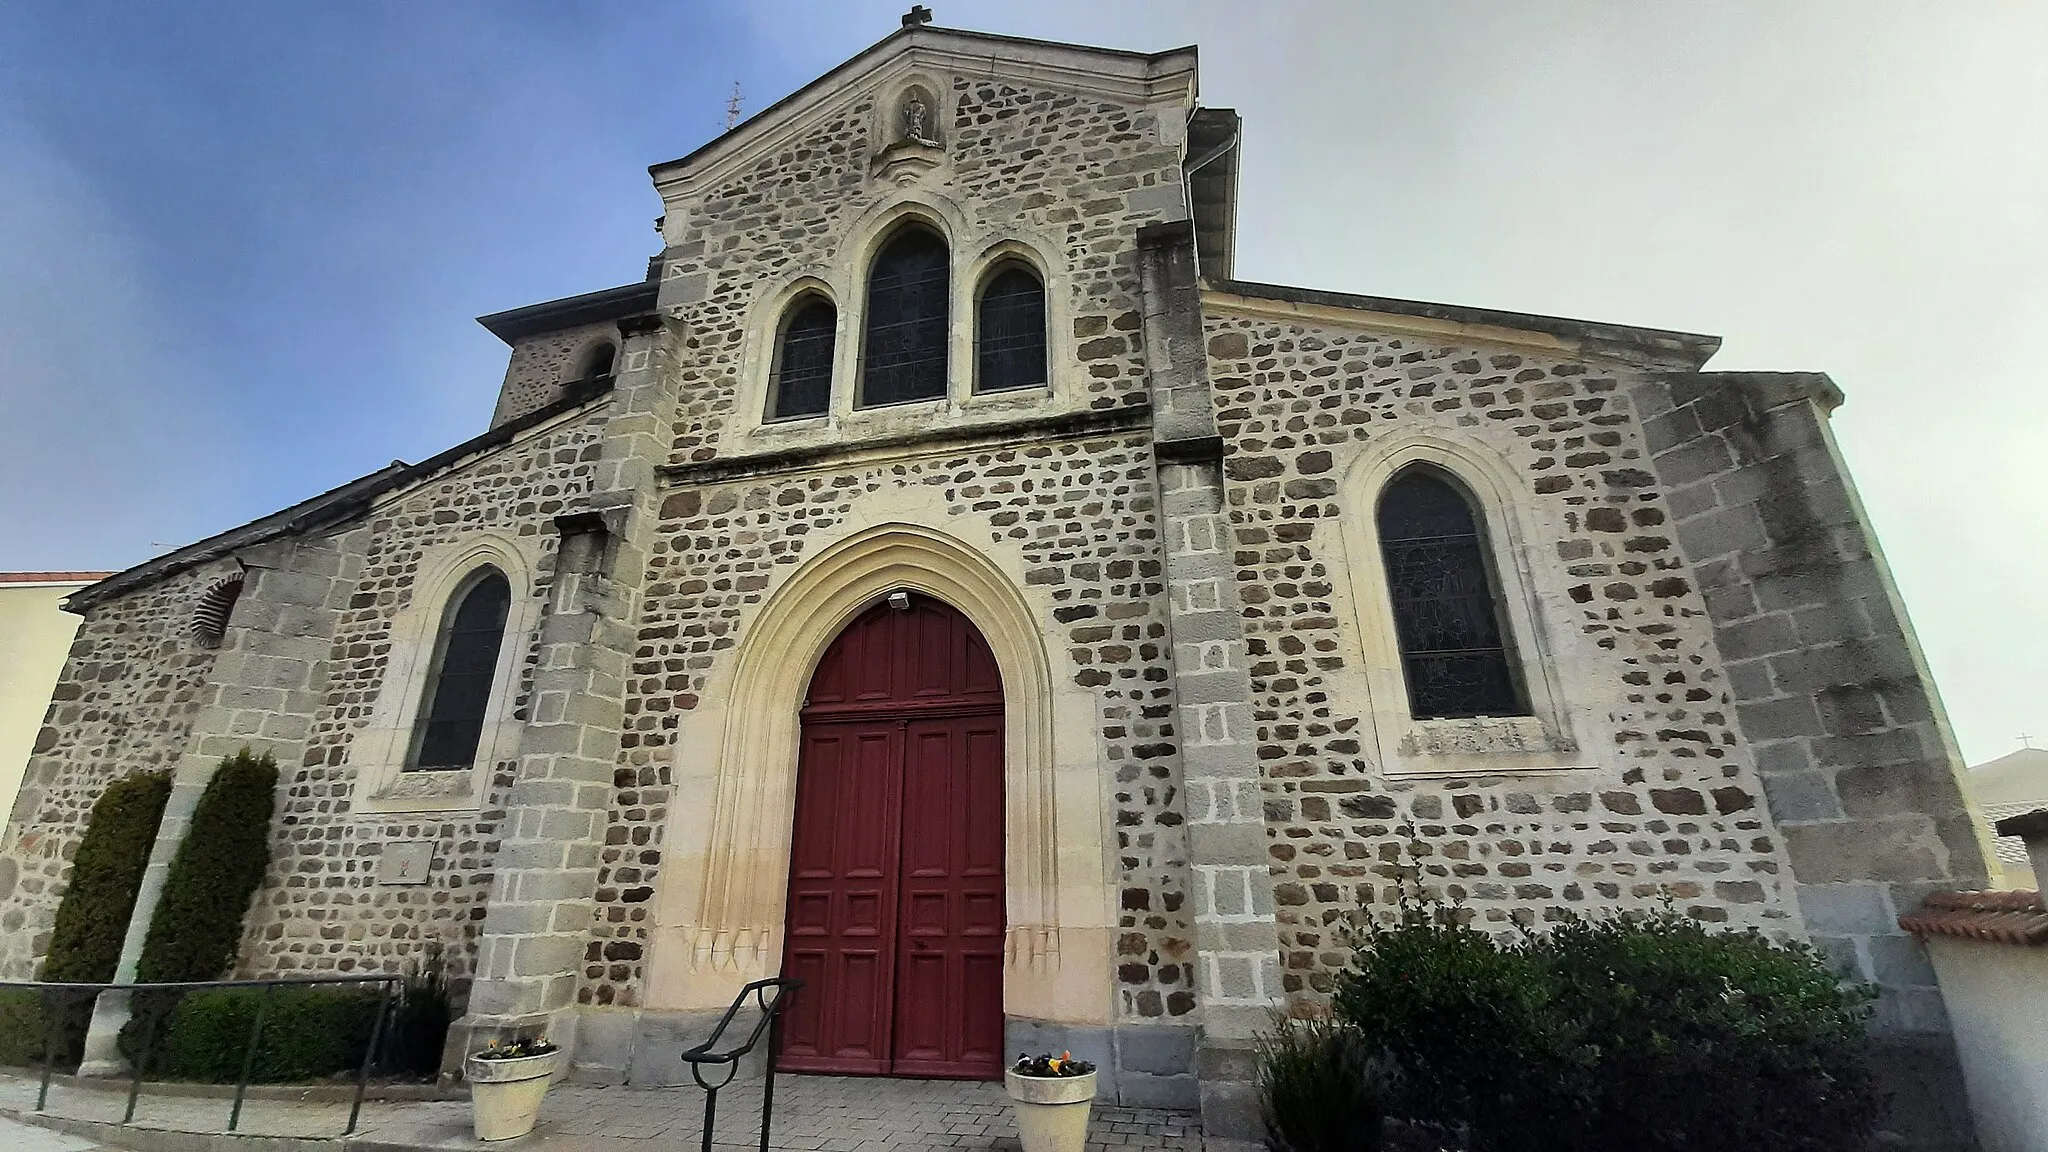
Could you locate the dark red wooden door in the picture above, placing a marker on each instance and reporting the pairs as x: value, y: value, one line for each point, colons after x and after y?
x: 896, y: 916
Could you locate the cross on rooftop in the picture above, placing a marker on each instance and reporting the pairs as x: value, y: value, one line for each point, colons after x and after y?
x: 918, y: 14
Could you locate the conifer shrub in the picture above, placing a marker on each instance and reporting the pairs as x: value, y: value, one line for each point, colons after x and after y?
x: 1640, y: 1031
x: 197, y: 928
x: 91, y: 920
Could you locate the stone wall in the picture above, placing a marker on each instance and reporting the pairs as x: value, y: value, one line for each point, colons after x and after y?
x: 125, y: 703
x: 321, y: 909
x: 540, y: 365
x: 1830, y: 687
x: 1656, y: 794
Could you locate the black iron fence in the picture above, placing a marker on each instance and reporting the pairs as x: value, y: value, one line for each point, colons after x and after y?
x: 62, y: 1007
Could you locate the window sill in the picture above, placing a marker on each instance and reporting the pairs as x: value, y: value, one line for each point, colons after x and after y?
x: 1482, y: 746
x: 425, y: 790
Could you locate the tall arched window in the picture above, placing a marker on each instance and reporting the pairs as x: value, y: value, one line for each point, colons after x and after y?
x: 801, y: 384
x: 1454, y: 652
x: 1009, y: 338
x: 459, y: 691
x: 904, y: 357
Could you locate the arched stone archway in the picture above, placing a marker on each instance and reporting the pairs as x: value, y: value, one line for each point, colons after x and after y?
x: 721, y: 909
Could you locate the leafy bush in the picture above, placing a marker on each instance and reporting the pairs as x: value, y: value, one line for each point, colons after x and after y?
x: 197, y: 928
x: 1639, y: 1031
x: 308, y: 1034
x: 92, y: 918
x: 1318, y: 1088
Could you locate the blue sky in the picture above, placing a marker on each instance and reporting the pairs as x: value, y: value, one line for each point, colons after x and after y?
x: 242, y: 244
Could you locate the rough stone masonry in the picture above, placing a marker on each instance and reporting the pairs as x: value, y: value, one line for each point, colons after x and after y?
x: 1216, y: 744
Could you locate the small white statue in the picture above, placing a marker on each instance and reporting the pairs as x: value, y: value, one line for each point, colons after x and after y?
x: 917, y: 118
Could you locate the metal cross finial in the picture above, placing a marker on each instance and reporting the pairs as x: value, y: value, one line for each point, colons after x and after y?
x: 918, y: 14
x: 2026, y: 740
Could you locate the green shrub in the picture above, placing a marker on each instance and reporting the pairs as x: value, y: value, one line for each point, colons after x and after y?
x: 1318, y: 1089
x: 197, y: 928
x: 1638, y: 1031
x: 92, y: 918
x: 308, y: 1034
x: 21, y: 1026
x: 418, y: 1026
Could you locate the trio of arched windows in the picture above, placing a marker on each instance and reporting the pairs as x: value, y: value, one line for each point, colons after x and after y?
x: 1455, y: 655
x: 906, y: 332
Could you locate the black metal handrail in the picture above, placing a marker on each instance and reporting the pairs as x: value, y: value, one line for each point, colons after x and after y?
x: 771, y: 1007
x: 59, y: 990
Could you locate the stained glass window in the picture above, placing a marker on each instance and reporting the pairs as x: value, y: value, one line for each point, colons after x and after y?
x: 1010, y: 332
x: 460, y: 691
x: 1446, y: 616
x: 803, y: 362
x: 907, y: 321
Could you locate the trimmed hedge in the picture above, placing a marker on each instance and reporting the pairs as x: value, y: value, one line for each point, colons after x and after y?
x: 92, y: 918
x: 308, y: 1034
x: 21, y: 1026
x: 197, y: 928
x: 85, y: 941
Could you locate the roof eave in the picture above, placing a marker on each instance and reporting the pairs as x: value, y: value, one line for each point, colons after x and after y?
x: 1657, y: 347
x: 626, y: 300
x: 335, y: 506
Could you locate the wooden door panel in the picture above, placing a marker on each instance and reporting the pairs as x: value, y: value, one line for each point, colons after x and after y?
x: 949, y: 1008
x: 842, y: 896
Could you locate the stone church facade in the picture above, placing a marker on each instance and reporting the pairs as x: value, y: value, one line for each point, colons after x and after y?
x: 1094, y: 630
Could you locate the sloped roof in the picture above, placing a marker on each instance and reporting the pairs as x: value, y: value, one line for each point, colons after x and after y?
x: 336, y: 506
x: 52, y: 577
x: 1992, y: 917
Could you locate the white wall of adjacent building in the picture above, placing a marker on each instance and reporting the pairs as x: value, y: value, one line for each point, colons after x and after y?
x: 35, y: 635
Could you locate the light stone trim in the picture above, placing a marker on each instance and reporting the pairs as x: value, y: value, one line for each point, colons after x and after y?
x: 1544, y: 742
x: 721, y: 911
x: 381, y: 750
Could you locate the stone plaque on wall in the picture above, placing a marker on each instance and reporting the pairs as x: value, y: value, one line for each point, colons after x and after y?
x: 405, y: 862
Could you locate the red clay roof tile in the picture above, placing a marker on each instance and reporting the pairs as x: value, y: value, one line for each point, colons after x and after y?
x: 1994, y: 917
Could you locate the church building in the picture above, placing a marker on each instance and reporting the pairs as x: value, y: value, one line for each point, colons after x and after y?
x: 941, y: 579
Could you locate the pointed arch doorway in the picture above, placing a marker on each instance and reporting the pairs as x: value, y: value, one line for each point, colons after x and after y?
x: 896, y: 916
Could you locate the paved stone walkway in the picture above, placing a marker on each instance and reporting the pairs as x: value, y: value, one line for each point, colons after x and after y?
x: 27, y: 1138
x: 812, y: 1114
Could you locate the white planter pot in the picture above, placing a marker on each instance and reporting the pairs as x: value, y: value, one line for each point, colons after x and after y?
x: 1052, y: 1111
x: 505, y: 1095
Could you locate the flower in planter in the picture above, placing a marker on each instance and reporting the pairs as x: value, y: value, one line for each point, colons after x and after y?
x: 1063, y: 1064
x: 516, y: 1048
